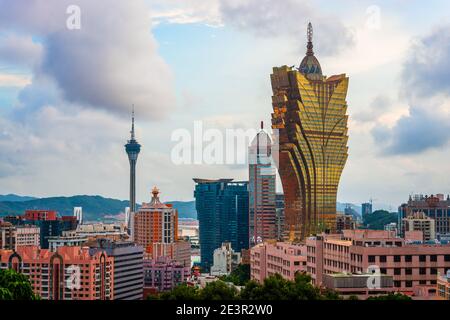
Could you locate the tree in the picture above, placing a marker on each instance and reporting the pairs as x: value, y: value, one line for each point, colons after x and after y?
x: 391, y: 296
x: 277, y: 288
x: 15, y: 286
x: 240, y: 276
x: 218, y: 290
x: 378, y: 219
x: 181, y: 292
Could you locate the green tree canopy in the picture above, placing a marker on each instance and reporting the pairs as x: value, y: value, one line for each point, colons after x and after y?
x: 240, y: 276
x: 277, y: 288
x: 218, y: 290
x: 378, y: 219
x: 391, y: 296
x: 181, y: 292
x: 15, y: 286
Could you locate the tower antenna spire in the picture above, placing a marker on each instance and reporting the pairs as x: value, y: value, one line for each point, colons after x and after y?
x: 309, y: 33
x: 132, y: 122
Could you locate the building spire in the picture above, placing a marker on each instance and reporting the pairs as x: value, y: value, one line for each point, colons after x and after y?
x: 310, y: 52
x: 132, y: 122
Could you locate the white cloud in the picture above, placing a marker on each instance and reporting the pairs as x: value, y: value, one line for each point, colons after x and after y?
x: 14, y: 80
x: 110, y: 63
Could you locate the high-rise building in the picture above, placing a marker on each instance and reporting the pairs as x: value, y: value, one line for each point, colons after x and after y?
x: 78, y: 213
x: 434, y: 206
x: 155, y: 222
x: 279, y: 204
x: 272, y: 257
x: 222, y: 211
x: 40, y: 215
x: 418, y: 221
x: 366, y: 208
x: 411, y: 264
x: 12, y: 237
x: 50, y: 225
x: 310, y: 113
x: 156, y: 229
x: 132, y: 148
x: 262, y: 206
x: 164, y: 274
x: 51, y: 273
x: 67, y: 239
x: 225, y: 260
x: 344, y: 222
x: 128, y: 267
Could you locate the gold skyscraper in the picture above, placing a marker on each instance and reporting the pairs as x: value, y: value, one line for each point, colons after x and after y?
x: 310, y: 112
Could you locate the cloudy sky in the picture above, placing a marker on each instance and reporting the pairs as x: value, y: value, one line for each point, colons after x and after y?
x: 66, y: 94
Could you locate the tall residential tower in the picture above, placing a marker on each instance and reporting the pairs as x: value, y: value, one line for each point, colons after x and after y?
x: 310, y: 112
x: 262, y: 208
x: 132, y: 148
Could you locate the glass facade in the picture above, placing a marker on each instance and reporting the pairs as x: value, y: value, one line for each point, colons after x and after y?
x: 222, y: 212
x: 310, y: 112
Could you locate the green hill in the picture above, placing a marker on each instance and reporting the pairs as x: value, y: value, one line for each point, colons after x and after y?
x: 378, y: 219
x: 95, y: 208
x: 186, y: 209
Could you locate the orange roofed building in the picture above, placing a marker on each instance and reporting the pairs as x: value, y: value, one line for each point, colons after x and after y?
x: 155, y: 222
x: 70, y: 273
x: 155, y: 228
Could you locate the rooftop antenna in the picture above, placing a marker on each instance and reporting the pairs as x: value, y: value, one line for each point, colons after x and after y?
x: 309, y: 33
x: 132, y: 122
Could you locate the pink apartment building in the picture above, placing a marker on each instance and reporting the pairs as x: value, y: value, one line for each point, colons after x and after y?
x: 52, y: 273
x: 283, y: 258
x: 412, y: 264
x: 163, y: 274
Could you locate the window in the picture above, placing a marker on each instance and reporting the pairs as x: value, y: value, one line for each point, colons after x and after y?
x: 371, y: 258
x: 397, y: 271
x: 433, y: 258
x: 422, y: 258
x: 408, y: 271
x: 447, y: 258
x: 433, y: 270
x: 408, y: 258
x: 408, y: 284
x: 397, y: 258
x: 423, y: 282
x: 397, y: 284
x: 382, y: 258
x: 383, y: 271
x: 423, y: 271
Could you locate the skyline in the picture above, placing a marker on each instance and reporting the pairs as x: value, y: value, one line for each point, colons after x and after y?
x: 44, y: 104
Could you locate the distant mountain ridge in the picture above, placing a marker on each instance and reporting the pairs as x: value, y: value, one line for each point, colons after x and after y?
x: 95, y: 208
x: 15, y: 197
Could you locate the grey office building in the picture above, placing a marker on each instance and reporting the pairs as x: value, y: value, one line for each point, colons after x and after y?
x: 128, y: 267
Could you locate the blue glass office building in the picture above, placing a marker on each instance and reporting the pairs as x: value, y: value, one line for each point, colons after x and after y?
x: 222, y: 211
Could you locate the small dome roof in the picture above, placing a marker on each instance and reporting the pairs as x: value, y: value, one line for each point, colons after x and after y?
x: 310, y: 66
